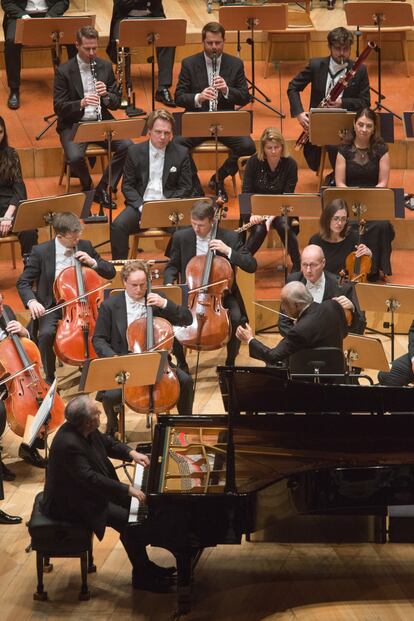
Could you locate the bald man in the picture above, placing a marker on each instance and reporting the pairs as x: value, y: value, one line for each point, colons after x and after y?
x: 324, y: 285
x: 317, y: 325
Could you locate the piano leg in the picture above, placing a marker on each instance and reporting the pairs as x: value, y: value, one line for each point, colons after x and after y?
x: 186, y: 562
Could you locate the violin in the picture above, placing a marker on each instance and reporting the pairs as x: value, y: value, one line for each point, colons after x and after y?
x: 26, y: 391
x: 73, y: 341
x: 150, y: 334
x: 210, y: 328
x: 358, y: 268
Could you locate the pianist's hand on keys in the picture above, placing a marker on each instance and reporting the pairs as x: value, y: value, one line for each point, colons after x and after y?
x: 142, y: 460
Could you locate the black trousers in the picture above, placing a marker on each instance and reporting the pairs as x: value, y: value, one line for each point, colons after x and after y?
x: 259, y: 232
x: 75, y: 156
x: 400, y: 374
x: 122, y: 227
x: 239, y: 145
x: 165, y: 59
x: 13, y: 51
x: 117, y: 518
x: 43, y: 331
x: 112, y: 398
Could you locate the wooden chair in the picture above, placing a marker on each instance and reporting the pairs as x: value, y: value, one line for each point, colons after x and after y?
x: 151, y: 234
x: 369, y: 33
x: 12, y: 240
x: 92, y: 150
x: 209, y: 147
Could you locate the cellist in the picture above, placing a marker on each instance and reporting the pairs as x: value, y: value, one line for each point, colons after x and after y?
x: 45, y: 263
x: 110, y: 336
x: 195, y: 241
x: 30, y: 455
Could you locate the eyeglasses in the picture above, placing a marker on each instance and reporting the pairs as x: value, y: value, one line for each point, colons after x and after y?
x: 310, y: 266
x: 339, y: 218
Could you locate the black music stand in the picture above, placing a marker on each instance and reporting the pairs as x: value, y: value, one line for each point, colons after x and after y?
x: 50, y: 32
x: 216, y: 124
x: 156, y: 32
x: 107, y: 131
x: 273, y: 17
x: 39, y: 212
x: 131, y: 370
x: 285, y: 205
x: 386, y: 298
x: 395, y: 14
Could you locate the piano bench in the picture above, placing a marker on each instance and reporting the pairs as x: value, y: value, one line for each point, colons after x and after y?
x: 55, y: 539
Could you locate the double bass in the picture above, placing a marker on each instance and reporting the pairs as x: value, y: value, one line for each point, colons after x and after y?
x: 73, y: 341
x: 26, y: 391
x: 148, y: 334
x: 210, y: 328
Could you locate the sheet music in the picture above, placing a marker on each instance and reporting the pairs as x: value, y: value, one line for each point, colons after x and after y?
x: 42, y: 414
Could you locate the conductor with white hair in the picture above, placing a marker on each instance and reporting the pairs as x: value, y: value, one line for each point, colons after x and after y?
x: 316, y: 325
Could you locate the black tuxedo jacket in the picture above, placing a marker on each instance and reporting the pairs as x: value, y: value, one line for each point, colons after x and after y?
x: 41, y: 271
x: 193, y: 79
x: 80, y: 479
x: 320, y: 325
x: 68, y: 92
x: 109, y: 338
x: 332, y: 290
x: 354, y: 97
x: 17, y: 8
x: 176, y: 177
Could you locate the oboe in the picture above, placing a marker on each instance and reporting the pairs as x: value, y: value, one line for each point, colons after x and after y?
x: 213, y: 102
x: 94, y: 80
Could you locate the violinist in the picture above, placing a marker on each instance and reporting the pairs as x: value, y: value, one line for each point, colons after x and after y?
x: 324, y: 285
x: 317, y: 325
x: 196, y: 241
x: 28, y: 454
x: 46, y: 262
x: 336, y: 237
x: 110, y: 336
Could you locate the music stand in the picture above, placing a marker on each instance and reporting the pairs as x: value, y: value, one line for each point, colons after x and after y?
x: 378, y: 201
x: 273, y: 17
x: 35, y: 423
x: 386, y: 298
x: 285, y: 205
x: 106, y: 131
x: 158, y: 32
x: 216, y: 124
x: 50, y: 32
x: 394, y: 14
x: 169, y: 212
x: 328, y: 126
x: 38, y: 212
x: 122, y: 371
x: 365, y: 352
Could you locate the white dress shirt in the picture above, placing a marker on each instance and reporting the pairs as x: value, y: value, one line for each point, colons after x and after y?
x: 335, y: 73
x: 89, y: 113
x: 35, y: 6
x: 64, y: 257
x: 154, y: 190
x: 317, y: 289
x: 135, y: 308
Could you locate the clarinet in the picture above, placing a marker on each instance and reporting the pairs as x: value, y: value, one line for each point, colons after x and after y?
x: 339, y: 87
x: 94, y: 80
x: 213, y: 102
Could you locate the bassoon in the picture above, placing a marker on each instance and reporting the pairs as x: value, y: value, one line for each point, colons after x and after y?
x: 337, y: 89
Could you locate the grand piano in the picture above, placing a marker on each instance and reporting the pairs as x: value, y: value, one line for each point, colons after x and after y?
x: 286, y: 448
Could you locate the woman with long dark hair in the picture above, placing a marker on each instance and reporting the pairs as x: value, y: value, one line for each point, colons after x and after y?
x: 12, y: 192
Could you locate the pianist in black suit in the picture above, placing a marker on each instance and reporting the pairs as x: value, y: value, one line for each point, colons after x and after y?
x: 82, y: 486
x: 317, y: 325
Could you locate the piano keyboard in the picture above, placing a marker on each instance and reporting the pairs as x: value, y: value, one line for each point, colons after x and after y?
x: 138, y: 510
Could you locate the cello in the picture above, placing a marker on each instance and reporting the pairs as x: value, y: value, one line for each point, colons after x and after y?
x: 210, y: 328
x: 152, y: 334
x: 26, y: 391
x: 73, y: 341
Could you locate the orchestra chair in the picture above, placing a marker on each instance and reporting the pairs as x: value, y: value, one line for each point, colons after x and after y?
x: 56, y: 539
x: 274, y: 36
x: 319, y: 363
x: 92, y: 151
x: 12, y: 240
x: 208, y: 147
x: 148, y: 234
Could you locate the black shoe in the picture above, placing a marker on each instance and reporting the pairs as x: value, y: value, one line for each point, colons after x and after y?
x: 164, y: 572
x: 164, y: 96
x: 7, y: 474
x: 14, y: 99
x: 102, y: 198
x: 32, y: 456
x: 155, y: 584
x: 5, y: 518
x: 221, y: 192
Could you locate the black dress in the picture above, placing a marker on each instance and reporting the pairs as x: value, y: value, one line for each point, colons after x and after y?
x: 362, y: 170
x: 259, y: 179
x: 336, y: 252
x: 12, y: 192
